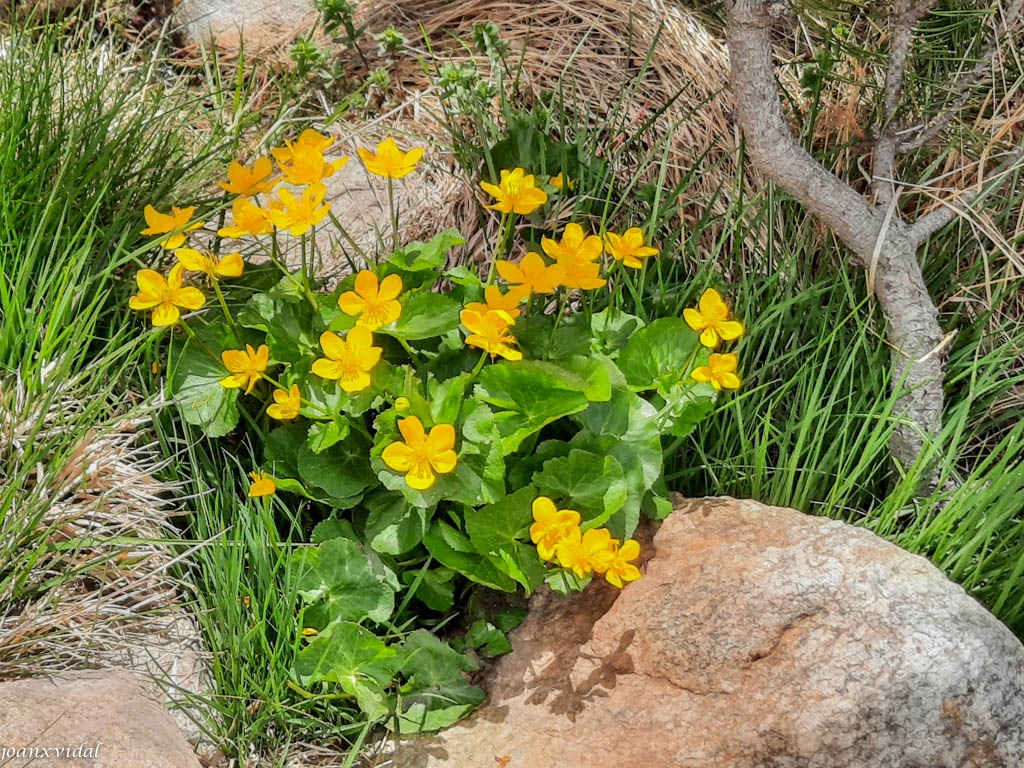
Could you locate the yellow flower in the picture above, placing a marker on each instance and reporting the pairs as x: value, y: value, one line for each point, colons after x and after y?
x: 210, y: 264
x: 299, y: 216
x: 561, y: 182
x: 164, y: 297
x: 422, y: 456
x: 574, y: 245
x: 307, y: 166
x: 551, y: 526
x: 720, y: 371
x: 711, y: 319
x: 531, y: 274
x: 308, y: 138
x: 262, y: 484
x: 286, y: 404
x: 629, y: 247
x: 575, y: 273
x: 246, y: 182
x: 246, y: 366
x: 389, y: 161
x: 375, y: 304
x: 165, y: 223
x: 591, y: 552
x: 516, y: 192
x: 495, y: 299
x: 489, y: 331
x: 619, y: 568
x: 349, y: 360
x: 250, y: 219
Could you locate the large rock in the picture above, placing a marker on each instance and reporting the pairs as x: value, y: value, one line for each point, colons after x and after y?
x: 100, y: 719
x: 258, y: 25
x: 757, y: 637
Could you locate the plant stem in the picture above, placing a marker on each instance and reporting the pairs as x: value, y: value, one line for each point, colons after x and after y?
x: 227, y: 312
x: 505, y: 229
x: 394, y: 214
x: 479, y: 366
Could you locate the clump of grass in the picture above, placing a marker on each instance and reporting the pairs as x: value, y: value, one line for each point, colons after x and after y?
x: 246, y: 600
x: 88, y: 136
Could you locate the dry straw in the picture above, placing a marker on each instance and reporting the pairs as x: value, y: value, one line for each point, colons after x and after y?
x: 593, y: 52
x: 101, y: 591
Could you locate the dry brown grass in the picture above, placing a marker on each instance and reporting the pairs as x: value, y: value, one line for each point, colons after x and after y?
x: 591, y: 50
x: 90, y: 583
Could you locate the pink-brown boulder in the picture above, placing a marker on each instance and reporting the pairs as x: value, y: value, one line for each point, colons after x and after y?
x: 758, y: 636
x: 99, y: 719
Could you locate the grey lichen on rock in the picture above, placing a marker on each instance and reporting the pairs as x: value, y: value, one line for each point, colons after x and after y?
x: 757, y: 636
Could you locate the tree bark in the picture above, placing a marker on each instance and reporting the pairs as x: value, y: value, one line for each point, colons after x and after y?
x: 881, y: 241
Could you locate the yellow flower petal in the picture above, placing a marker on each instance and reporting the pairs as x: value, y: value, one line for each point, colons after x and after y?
x: 165, y: 314
x: 398, y: 456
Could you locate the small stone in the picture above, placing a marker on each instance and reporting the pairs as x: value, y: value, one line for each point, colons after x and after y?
x: 96, y: 719
x: 758, y: 636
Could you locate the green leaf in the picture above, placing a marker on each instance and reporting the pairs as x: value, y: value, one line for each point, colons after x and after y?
x: 596, y: 372
x: 438, y: 693
x: 611, y: 329
x: 487, y: 639
x: 333, y: 529
x: 453, y: 549
x: 418, y: 256
x: 685, y: 405
x: 341, y: 471
x: 658, y: 354
x: 656, y: 507
x: 428, y: 661
x: 464, y: 276
x: 446, y: 398
x: 204, y: 403
x: 541, y: 339
x: 503, y: 523
x: 424, y: 315
x: 293, y: 332
x: 625, y: 428
x: 533, y: 394
x: 195, y: 383
x: 323, y: 434
x: 355, y: 659
x: 594, y: 485
x: 394, y: 526
x: 341, y: 577
x: 565, y: 582
x: 281, y: 450
x: 434, y: 588
x: 496, y: 530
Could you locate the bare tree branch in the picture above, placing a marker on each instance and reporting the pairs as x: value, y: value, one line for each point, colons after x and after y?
x: 880, y: 241
x: 905, y: 15
x: 961, y: 93
x: 767, y: 134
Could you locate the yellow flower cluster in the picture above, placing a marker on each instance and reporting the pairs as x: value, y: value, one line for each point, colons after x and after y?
x: 576, y: 266
x: 711, y: 320
x: 558, y: 536
x: 300, y: 164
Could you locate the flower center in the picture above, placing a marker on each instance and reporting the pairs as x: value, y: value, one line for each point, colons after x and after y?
x: 349, y: 370
x: 420, y: 463
x: 376, y: 312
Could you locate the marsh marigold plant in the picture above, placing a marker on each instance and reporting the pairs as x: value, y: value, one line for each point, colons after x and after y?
x: 439, y: 424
